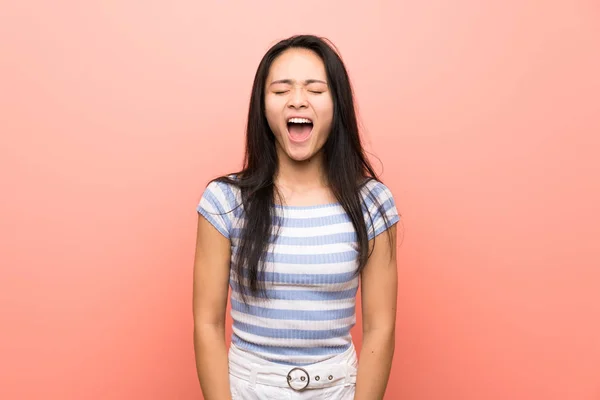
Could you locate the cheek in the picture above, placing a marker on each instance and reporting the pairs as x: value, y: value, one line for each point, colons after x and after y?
x: 272, y: 118
x: 325, y: 111
x: 326, y: 118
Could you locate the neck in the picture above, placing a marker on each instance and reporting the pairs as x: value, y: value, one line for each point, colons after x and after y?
x: 301, y: 175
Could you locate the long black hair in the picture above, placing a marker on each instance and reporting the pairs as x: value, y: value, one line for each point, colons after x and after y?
x: 346, y: 165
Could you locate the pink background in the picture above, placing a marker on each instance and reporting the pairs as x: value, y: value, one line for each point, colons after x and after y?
x: 485, y: 114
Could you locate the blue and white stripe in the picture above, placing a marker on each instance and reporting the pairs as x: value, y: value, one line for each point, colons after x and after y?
x: 310, y: 275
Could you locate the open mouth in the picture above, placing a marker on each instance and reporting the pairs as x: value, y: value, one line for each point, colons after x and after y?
x: 299, y: 129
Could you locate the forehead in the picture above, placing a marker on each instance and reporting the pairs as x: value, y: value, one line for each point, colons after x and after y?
x: 297, y: 64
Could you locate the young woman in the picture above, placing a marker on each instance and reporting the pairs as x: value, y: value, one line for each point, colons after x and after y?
x: 291, y: 234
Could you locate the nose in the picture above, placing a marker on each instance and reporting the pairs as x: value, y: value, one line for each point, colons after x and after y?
x: 297, y: 98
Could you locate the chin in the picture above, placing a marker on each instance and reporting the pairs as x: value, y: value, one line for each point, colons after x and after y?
x: 299, y: 156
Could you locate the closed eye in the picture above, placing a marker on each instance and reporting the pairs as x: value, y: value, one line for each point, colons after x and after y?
x: 311, y: 91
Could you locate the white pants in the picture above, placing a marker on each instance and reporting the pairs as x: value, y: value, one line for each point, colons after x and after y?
x: 252, y: 378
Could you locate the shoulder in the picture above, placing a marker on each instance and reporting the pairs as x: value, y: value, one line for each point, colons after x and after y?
x: 374, y: 189
x: 221, y: 195
x: 379, y: 206
x: 223, y: 190
x: 220, y: 204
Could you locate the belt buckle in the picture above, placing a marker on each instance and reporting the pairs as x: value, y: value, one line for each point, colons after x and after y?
x: 289, y: 379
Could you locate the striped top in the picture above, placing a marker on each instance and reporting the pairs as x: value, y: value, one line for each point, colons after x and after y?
x: 310, y: 275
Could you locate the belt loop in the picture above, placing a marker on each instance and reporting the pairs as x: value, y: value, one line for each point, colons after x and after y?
x: 347, y: 370
x: 253, y: 372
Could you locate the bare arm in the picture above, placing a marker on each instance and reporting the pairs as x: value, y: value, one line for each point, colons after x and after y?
x: 378, y: 292
x: 211, y: 278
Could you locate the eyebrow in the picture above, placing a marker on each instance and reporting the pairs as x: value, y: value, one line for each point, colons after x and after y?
x: 290, y: 81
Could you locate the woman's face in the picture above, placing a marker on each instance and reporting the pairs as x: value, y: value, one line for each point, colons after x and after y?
x: 298, y: 104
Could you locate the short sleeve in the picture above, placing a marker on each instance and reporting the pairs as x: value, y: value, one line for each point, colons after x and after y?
x: 380, y: 206
x: 217, y: 206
